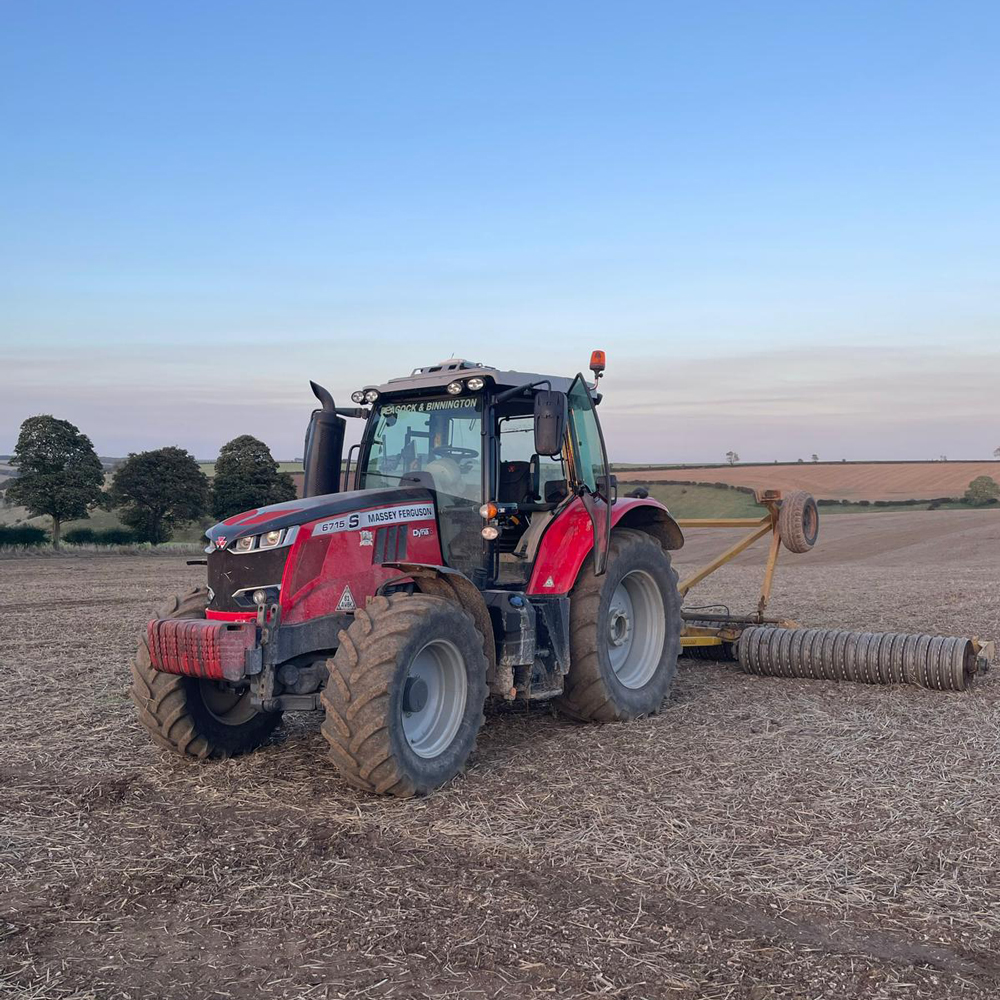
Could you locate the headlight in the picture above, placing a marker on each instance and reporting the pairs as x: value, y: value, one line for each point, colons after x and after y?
x: 489, y: 532
x: 359, y: 396
x: 475, y: 383
x: 371, y: 395
x: 454, y: 388
x: 255, y: 543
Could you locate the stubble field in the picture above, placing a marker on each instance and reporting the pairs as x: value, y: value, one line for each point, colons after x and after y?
x: 759, y: 838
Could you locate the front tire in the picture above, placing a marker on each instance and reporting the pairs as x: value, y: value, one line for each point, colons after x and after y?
x: 404, y: 699
x: 625, y: 631
x: 194, y: 717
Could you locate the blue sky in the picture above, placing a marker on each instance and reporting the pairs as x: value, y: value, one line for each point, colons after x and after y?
x: 780, y: 220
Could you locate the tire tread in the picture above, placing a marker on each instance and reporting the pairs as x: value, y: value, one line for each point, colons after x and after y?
x: 587, y: 697
x: 356, y: 697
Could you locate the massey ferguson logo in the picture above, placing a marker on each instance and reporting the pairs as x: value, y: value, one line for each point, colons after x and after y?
x: 375, y: 518
x: 220, y: 541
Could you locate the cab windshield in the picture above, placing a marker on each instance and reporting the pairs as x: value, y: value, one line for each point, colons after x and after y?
x: 437, y: 444
x: 432, y: 442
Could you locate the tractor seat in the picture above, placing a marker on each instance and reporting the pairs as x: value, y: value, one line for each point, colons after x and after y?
x: 514, y: 483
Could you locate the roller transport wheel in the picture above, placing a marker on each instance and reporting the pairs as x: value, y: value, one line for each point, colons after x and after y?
x: 798, y: 521
x: 404, y: 699
x: 624, y: 632
x: 194, y: 717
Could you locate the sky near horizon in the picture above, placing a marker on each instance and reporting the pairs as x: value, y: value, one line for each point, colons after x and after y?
x: 780, y: 220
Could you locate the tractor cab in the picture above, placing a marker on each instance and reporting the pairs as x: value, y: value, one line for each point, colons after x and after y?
x: 501, y: 452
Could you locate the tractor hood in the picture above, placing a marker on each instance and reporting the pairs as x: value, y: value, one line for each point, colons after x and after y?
x: 285, y: 515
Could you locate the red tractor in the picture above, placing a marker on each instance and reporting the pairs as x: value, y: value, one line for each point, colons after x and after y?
x: 483, y: 553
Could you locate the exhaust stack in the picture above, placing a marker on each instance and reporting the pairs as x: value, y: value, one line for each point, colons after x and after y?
x: 324, y: 448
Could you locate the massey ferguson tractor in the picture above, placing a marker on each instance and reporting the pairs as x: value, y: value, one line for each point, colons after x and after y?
x: 484, y: 552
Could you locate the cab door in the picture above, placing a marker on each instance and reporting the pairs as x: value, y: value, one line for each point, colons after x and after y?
x: 590, y: 477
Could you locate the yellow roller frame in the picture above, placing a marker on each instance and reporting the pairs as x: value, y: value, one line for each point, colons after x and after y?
x: 766, y: 525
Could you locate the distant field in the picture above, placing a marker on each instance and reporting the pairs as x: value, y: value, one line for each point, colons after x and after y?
x: 209, y: 467
x: 703, y: 501
x: 863, y: 481
x: 835, y: 480
x: 99, y: 520
x: 710, y: 501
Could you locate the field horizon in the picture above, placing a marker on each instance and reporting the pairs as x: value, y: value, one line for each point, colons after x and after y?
x: 690, y: 490
x: 870, y: 481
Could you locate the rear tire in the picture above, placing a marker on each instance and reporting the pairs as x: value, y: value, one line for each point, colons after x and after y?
x: 194, y: 717
x: 404, y: 699
x: 608, y: 682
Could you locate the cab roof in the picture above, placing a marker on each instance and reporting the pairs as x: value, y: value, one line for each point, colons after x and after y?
x: 438, y: 376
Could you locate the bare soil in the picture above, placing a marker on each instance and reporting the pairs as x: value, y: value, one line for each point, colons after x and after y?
x: 835, y: 480
x: 760, y: 838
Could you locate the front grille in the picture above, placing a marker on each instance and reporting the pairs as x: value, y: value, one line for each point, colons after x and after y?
x: 229, y: 572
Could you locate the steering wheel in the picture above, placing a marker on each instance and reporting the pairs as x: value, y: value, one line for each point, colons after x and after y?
x: 454, y: 451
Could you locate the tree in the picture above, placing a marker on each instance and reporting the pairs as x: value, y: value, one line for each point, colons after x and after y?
x: 815, y: 457
x: 59, y: 472
x: 800, y: 460
x: 246, y: 476
x: 982, y: 490
x: 154, y: 491
x: 996, y: 452
x: 732, y: 458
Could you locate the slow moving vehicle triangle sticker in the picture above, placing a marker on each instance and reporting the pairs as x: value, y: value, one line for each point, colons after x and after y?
x: 347, y: 600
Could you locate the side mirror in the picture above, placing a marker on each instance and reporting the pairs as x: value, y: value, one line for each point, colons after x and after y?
x: 550, y: 422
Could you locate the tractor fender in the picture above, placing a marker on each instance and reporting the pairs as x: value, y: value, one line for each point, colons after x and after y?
x: 443, y: 581
x: 569, y: 539
x: 650, y: 516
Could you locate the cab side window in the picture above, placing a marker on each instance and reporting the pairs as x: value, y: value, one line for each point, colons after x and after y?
x: 517, y: 457
x: 585, y: 436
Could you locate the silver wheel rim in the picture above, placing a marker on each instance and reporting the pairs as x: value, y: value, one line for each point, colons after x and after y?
x: 636, y: 629
x: 231, y: 708
x: 435, y: 691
